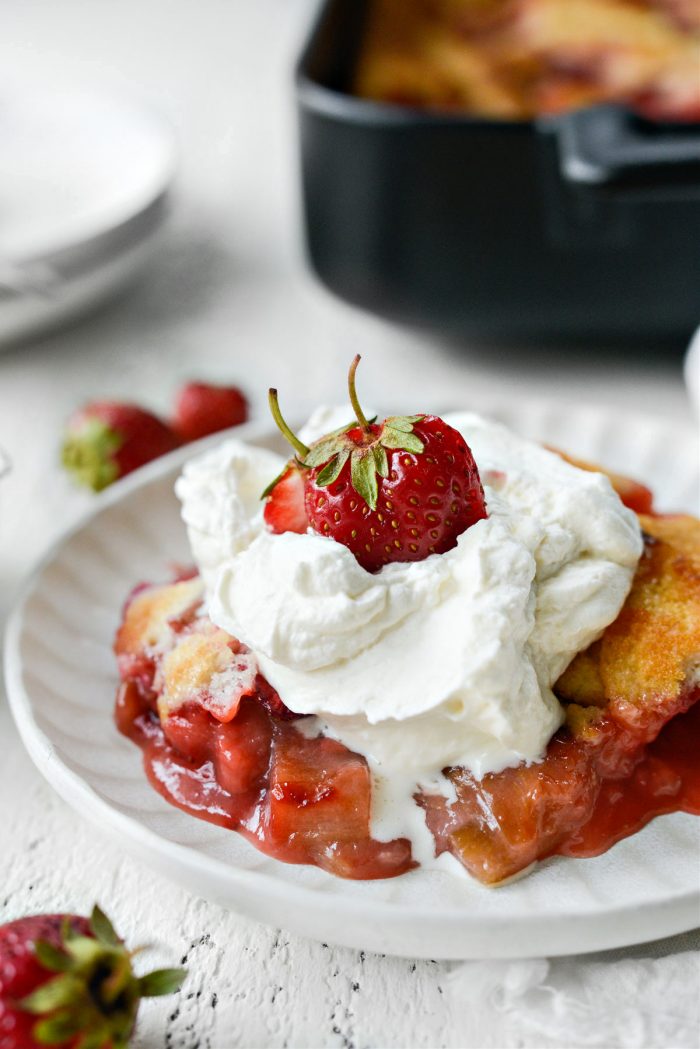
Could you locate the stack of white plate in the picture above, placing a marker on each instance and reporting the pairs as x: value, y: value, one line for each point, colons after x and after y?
x: 692, y: 371
x: 84, y: 180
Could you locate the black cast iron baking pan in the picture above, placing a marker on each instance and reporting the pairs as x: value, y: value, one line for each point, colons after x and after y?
x: 583, y: 226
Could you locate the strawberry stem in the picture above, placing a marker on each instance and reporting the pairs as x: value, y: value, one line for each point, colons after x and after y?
x: 296, y: 444
x: 360, y: 415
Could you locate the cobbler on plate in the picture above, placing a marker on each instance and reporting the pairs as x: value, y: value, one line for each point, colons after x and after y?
x: 233, y: 754
x: 547, y: 734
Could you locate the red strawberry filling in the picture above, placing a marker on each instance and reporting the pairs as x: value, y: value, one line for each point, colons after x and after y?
x: 585, y: 796
x: 219, y: 742
x: 308, y: 800
x: 300, y: 800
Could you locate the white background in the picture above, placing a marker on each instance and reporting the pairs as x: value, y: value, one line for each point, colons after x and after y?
x: 226, y: 298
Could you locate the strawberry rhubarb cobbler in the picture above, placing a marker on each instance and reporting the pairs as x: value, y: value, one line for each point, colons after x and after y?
x: 431, y: 641
x: 519, y: 59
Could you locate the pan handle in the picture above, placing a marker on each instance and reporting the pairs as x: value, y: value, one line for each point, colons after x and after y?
x: 609, y: 145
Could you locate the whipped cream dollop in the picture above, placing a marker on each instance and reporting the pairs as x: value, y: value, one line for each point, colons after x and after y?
x: 450, y: 660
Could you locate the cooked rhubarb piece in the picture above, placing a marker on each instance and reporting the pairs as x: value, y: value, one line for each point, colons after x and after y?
x: 318, y: 791
x: 318, y: 809
x: 501, y: 824
x: 241, y: 752
x: 189, y: 731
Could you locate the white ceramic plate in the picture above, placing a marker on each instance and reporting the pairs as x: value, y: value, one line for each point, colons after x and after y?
x: 61, y: 681
x: 83, y: 182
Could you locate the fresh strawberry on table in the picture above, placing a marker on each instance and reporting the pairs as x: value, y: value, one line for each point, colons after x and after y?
x: 68, y: 981
x: 106, y: 440
x: 202, y: 409
x: 398, y: 490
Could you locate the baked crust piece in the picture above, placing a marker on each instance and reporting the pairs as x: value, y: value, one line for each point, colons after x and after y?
x: 649, y: 656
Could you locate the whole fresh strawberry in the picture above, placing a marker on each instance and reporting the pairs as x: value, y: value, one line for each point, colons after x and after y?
x: 106, y: 440
x: 201, y: 409
x: 68, y: 981
x: 398, y: 490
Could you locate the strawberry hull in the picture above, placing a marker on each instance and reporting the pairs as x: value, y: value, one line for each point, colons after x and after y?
x: 107, y: 440
x: 67, y: 980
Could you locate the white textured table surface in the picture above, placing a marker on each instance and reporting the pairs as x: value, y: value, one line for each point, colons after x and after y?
x: 227, y: 297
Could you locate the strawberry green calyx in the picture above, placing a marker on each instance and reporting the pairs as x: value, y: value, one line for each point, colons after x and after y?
x: 94, y: 996
x: 88, y: 454
x: 368, y: 460
x: 367, y: 455
x: 366, y: 452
